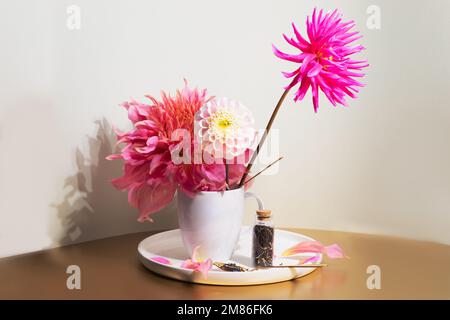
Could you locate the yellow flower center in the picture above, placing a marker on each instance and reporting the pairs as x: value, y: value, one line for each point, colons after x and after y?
x: 224, y: 123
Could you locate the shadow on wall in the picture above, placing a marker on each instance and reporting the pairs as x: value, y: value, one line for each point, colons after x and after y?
x: 92, y: 208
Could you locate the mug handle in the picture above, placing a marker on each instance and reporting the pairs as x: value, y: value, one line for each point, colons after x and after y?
x: 254, y: 196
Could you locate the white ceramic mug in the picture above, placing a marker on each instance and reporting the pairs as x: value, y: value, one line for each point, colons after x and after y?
x: 212, y: 221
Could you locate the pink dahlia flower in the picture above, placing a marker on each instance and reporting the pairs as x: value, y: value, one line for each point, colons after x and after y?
x: 324, y: 60
x: 149, y: 173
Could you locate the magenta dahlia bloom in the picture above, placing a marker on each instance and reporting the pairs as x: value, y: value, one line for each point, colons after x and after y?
x: 149, y: 174
x: 324, y: 60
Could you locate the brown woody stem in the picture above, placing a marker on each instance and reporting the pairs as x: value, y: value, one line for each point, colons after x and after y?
x: 253, y: 177
x: 264, y: 136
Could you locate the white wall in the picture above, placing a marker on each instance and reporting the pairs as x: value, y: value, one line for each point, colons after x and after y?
x: 381, y: 166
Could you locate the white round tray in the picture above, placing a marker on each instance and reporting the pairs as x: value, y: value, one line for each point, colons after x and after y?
x: 170, y: 246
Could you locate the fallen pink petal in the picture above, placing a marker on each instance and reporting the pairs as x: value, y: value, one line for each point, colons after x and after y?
x: 304, y: 247
x: 197, y: 265
x: 161, y: 260
x: 333, y: 251
x: 312, y: 259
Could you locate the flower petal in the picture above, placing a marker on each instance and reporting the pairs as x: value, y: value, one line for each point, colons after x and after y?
x: 161, y: 260
x: 304, y: 247
x: 312, y: 259
x: 333, y: 251
x: 285, y: 56
x: 196, y: 264
x: 315, y: 70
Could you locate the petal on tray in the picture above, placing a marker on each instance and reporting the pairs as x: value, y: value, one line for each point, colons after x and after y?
x: 160, y: 260
x: 197, y: 264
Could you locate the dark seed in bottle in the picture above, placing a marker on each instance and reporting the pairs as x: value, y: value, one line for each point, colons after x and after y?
x: 263, y: 245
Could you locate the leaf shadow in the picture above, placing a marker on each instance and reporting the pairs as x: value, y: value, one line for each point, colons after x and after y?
x: 92, y: 208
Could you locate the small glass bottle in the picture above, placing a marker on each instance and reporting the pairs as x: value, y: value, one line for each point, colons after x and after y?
x: 263, y: 234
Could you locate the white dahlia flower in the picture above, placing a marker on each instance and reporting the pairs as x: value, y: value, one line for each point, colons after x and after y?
x: 225, y: 128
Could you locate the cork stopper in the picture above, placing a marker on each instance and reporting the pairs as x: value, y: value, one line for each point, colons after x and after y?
x: 264, y: 214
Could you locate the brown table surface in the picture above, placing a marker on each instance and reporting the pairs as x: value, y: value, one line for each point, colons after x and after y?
x: 110, y: 269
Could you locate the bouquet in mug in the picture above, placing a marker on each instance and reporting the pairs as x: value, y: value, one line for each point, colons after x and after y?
x: 199, y: 143
x: 189, y: 141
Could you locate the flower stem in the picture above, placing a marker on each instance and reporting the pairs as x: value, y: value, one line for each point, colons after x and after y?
x: 264, y: 136
x: 227, y: 179
x: 253, y: 177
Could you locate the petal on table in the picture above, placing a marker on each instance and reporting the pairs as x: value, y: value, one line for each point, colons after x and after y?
x: 304, y: 247
x: 334, y: 251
